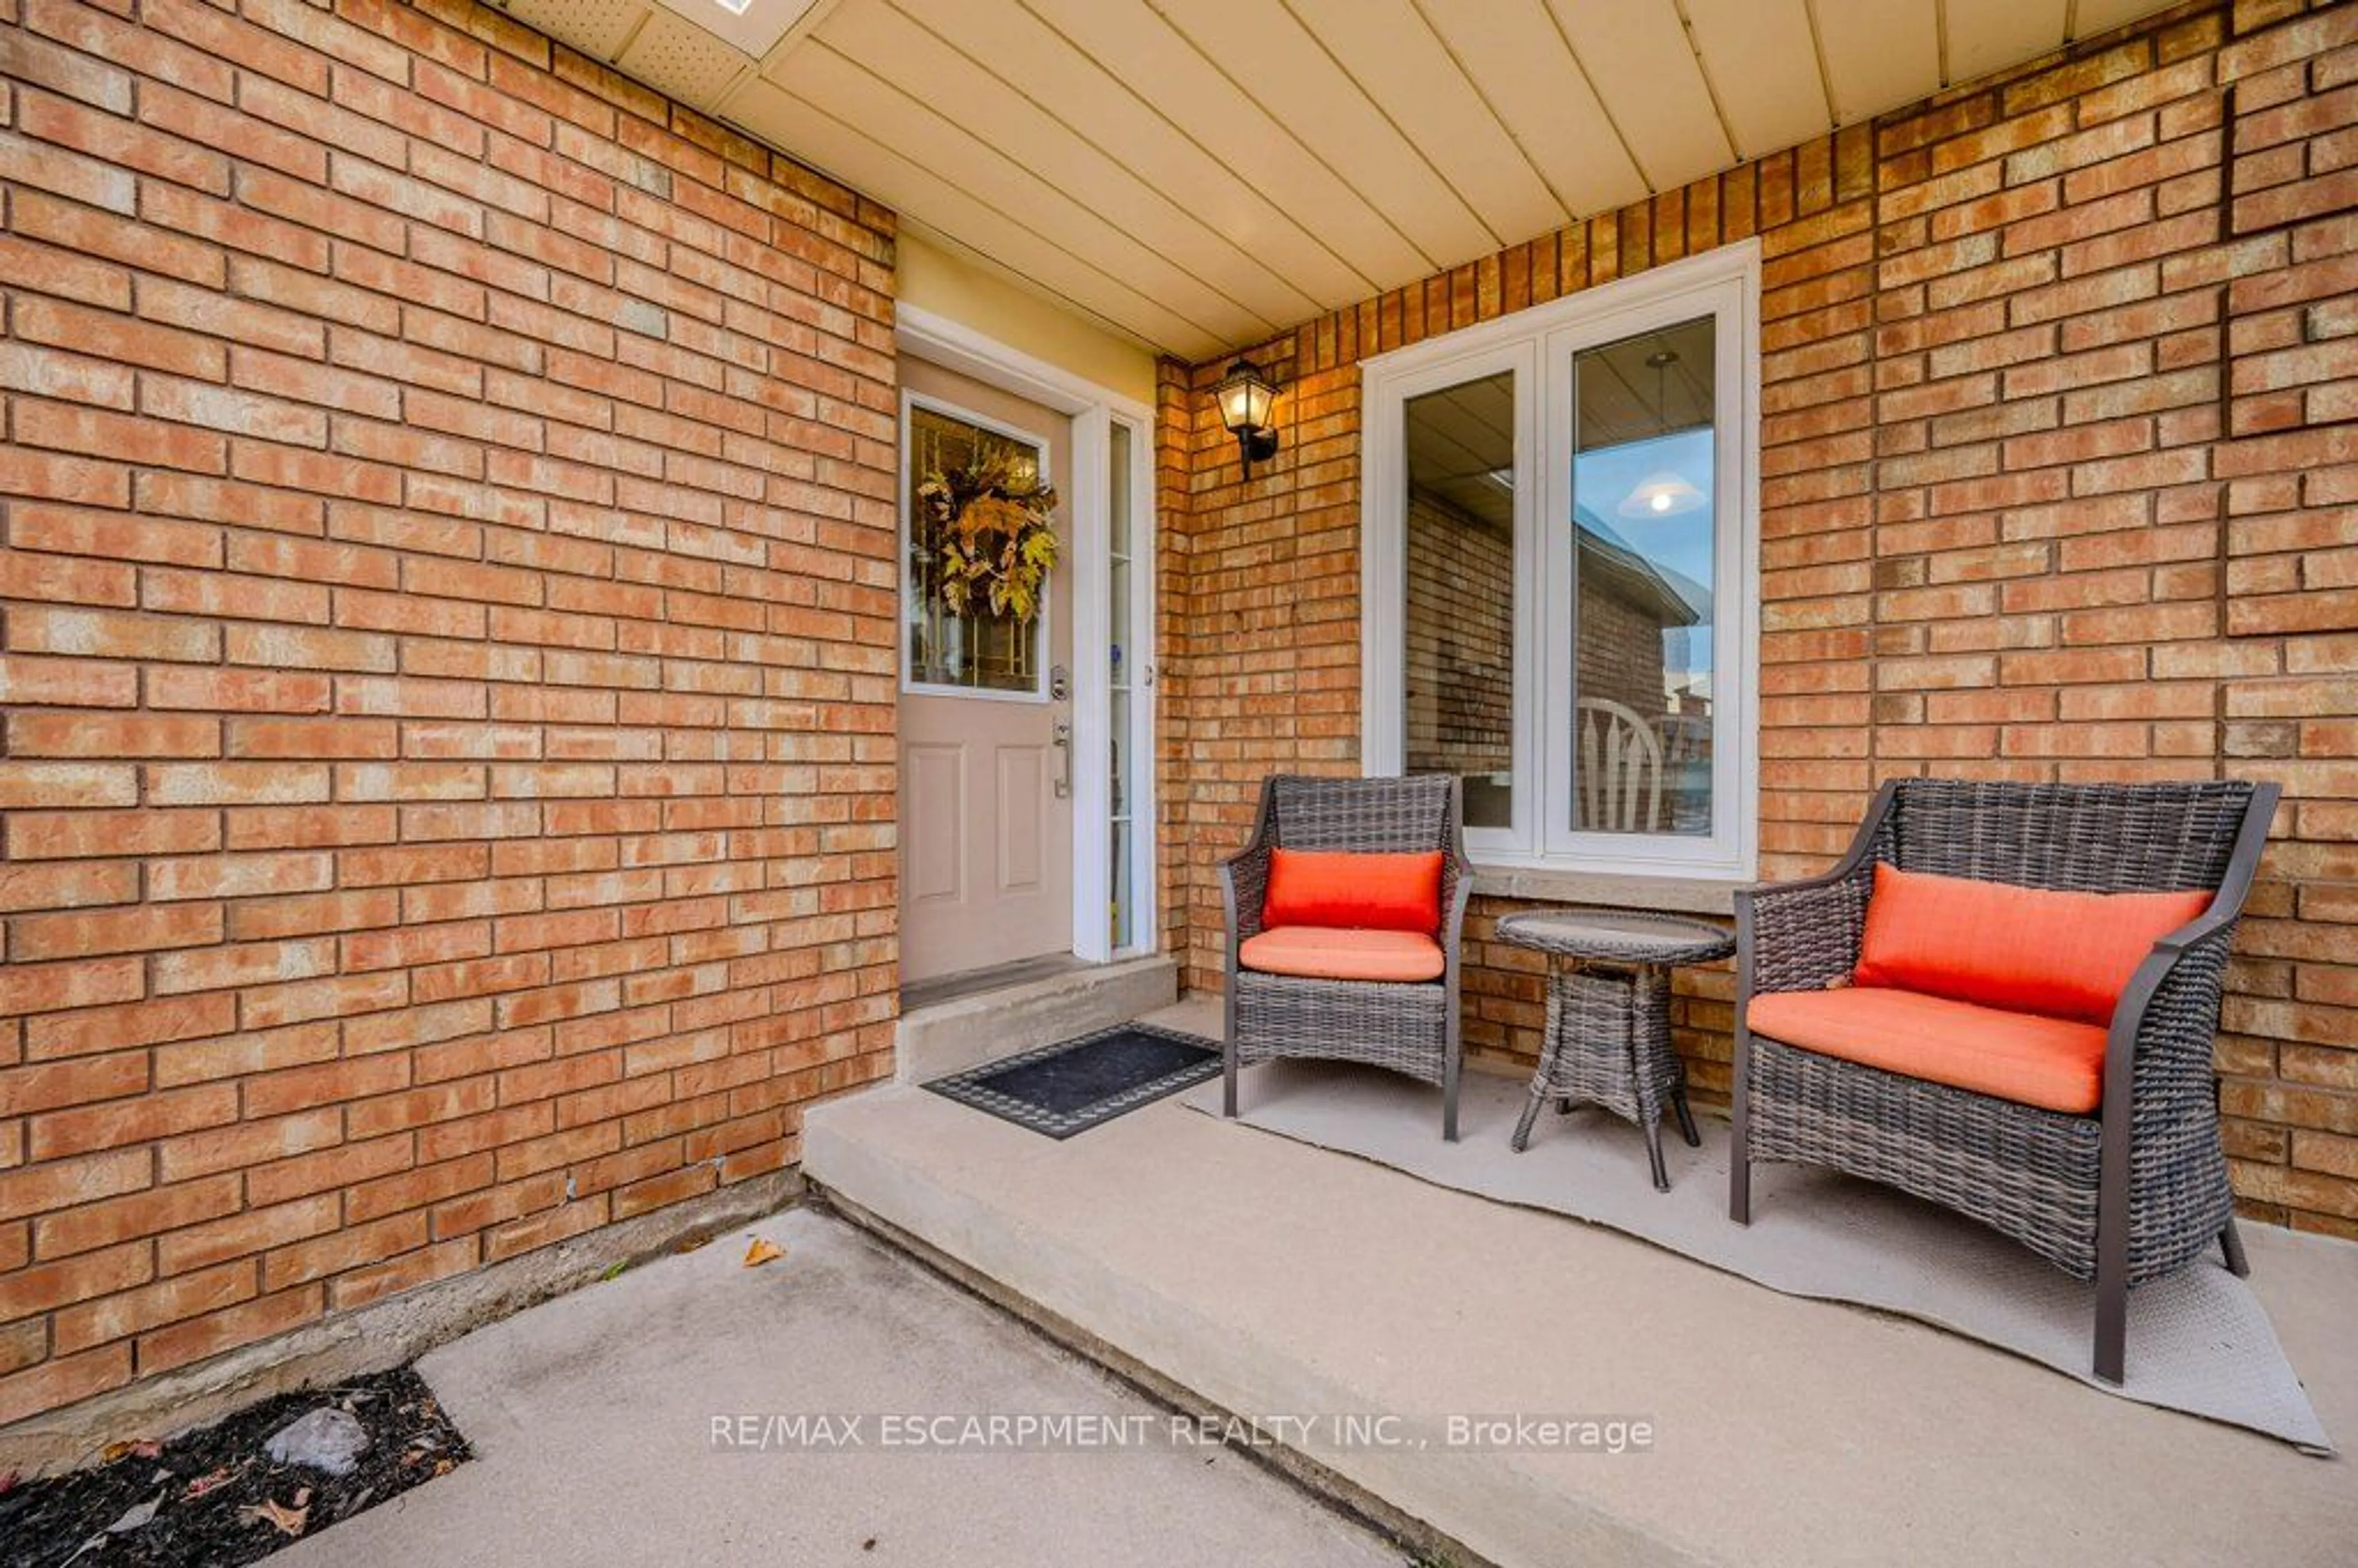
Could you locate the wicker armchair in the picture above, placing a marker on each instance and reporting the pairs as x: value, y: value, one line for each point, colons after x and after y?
x: 1409, y: 1028
x: 2131, y: 1192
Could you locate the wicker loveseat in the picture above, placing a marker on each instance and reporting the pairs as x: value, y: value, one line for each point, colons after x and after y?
x: 1408, y: 1025
x: 2131, y: 1187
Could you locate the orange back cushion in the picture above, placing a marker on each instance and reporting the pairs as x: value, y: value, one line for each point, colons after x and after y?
x: 2066, y: 955
x: 1371, y: 893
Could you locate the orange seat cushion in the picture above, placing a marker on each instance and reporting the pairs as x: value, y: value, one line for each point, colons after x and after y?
x: 1376, y: 893
x: 2056, y: 1064
x: 2068, y: 955
x: 1339, y: 953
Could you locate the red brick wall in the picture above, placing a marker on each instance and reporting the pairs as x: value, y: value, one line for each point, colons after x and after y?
x: 2059, y: 452
x: 448, y: 664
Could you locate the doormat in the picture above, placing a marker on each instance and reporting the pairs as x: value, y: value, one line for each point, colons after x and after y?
x: 218, y: 1497
x: 1074, y: 1085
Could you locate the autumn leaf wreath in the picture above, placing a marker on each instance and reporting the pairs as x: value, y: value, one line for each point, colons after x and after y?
x: 998, y: 545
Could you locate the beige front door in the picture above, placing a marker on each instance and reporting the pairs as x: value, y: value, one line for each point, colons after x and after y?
x: 985, y: 807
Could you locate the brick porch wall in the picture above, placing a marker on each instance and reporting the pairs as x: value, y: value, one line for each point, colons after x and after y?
x: 2060, y: 459
x: 449, y: 629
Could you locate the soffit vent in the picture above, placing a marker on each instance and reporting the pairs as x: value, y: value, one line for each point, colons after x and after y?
x: 682, y: 60
x: 599, y: 27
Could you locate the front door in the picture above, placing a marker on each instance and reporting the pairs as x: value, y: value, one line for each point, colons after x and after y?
x: 986, y: 711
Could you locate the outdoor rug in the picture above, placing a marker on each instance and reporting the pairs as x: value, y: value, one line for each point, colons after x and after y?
x: 1074, y: 1085
x: 2198, y: 1340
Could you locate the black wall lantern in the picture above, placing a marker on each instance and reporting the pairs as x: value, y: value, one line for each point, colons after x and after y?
x: 1245, y: 395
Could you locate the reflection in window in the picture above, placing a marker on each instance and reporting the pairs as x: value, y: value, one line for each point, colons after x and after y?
x: 975, y: 649
x: 1459, y: 643
x: 1642, y: 516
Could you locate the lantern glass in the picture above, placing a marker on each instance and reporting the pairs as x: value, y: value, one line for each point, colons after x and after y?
x: 1245, y: 396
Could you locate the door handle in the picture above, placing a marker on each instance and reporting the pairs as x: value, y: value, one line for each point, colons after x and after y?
x: 1062, y: 738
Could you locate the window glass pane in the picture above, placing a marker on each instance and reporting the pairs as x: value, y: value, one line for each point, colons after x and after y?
x: 1121, y: 758
x: 1642, y: 520
x: 974, y: 648
x: 1117, y: 474
x: 1458, y: 653
x: 1119, y: 588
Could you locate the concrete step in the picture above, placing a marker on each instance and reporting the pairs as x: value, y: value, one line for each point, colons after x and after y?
x: 1233, y: 1270
x: 983, y: 1026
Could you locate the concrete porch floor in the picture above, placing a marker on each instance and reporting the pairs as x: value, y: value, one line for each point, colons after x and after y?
x: 1263, y: 1275
x: 591, y: 1416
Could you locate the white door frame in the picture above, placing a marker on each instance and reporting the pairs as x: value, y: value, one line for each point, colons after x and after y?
x: 1094, y: 409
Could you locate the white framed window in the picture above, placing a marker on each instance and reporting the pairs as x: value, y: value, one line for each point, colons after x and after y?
x: 1560, y: 522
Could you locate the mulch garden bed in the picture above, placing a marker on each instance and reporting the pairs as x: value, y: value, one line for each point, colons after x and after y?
x: 220, y: 1499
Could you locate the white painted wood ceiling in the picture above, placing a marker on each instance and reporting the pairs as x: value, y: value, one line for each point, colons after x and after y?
x: 1201, y: 174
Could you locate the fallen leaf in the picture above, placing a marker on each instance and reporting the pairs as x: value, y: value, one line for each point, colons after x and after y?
x: 762, y: 1251
x: 207, y: 1482
x: 288, y: 1520
x: 136, y: 1516
x: 144, y: 1447
x: 613, y: 1270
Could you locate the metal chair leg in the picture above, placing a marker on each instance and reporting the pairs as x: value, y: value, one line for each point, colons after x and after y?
x: 1739, y: 1133
x: 2112, y: 1306
x: 1229, y: 1045
x: 2111, y: 1332
x: 2112, y: 1235
x: 2232, y: 1243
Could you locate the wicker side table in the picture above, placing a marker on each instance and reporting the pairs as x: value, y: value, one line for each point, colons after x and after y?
x: 1609, y: 1014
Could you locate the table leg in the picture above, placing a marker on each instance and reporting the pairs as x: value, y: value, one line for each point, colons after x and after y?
x: 1551, y: 1044
x: 1649, y: 1012
x: 1530, y: 1114
x: 1686, y: 1117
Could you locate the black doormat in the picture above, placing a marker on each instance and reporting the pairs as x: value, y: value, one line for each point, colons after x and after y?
x: 214, y: 1497
x: 1074, y: 1085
